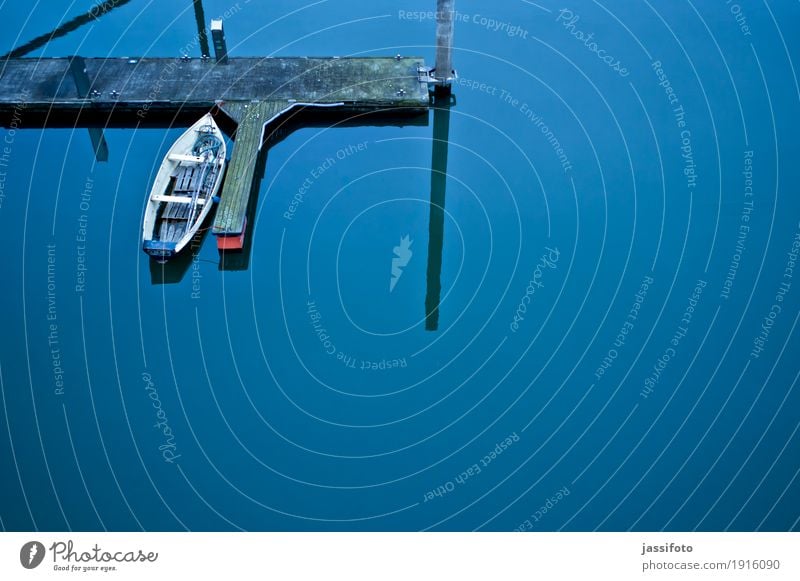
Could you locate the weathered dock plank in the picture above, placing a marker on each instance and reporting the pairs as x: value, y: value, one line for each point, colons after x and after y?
x: 143, y: 85
x: 229, y: 222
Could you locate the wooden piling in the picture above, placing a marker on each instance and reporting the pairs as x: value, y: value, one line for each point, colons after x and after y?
x: 444, y: 73
x: 220, y: 46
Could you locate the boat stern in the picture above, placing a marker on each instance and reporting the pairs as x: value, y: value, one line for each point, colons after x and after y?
x: 161, y: 251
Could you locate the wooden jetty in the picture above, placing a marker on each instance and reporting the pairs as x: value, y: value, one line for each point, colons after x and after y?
x: 248, y: 94
x: 251, y: 96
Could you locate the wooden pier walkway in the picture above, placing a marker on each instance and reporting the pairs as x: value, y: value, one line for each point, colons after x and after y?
x: 230, y: 222
x: 247, y: 93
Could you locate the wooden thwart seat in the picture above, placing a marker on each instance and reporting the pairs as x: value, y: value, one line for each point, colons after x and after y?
x: 188, y: 158
x: 177, y: 199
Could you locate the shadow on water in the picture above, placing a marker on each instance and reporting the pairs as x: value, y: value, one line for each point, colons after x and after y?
x: 92, y: 15
x: 173, y: 271
x: 96, y: 11
x: 441, y: 136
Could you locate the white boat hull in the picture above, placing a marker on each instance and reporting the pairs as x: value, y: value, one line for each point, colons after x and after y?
x: 184, y: 190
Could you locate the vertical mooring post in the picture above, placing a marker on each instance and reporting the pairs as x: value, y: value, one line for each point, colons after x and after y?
x: 218, y: 36
x: 444, y: 73
x: 202, y: 36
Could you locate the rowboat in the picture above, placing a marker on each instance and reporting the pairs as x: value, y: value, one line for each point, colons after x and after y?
x: 184, y: 190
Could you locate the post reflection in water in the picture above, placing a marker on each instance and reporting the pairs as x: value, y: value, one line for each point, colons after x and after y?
x: 98, y: 10
x: 441, y: 135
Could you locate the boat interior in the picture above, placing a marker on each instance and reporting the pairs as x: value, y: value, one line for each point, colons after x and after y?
x: 189, y: 187
x: 187, y: 183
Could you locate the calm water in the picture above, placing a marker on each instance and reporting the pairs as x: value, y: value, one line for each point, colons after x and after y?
x: 616, y: 343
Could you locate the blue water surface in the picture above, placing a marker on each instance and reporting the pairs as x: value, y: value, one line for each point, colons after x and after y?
x: 616, y: 345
